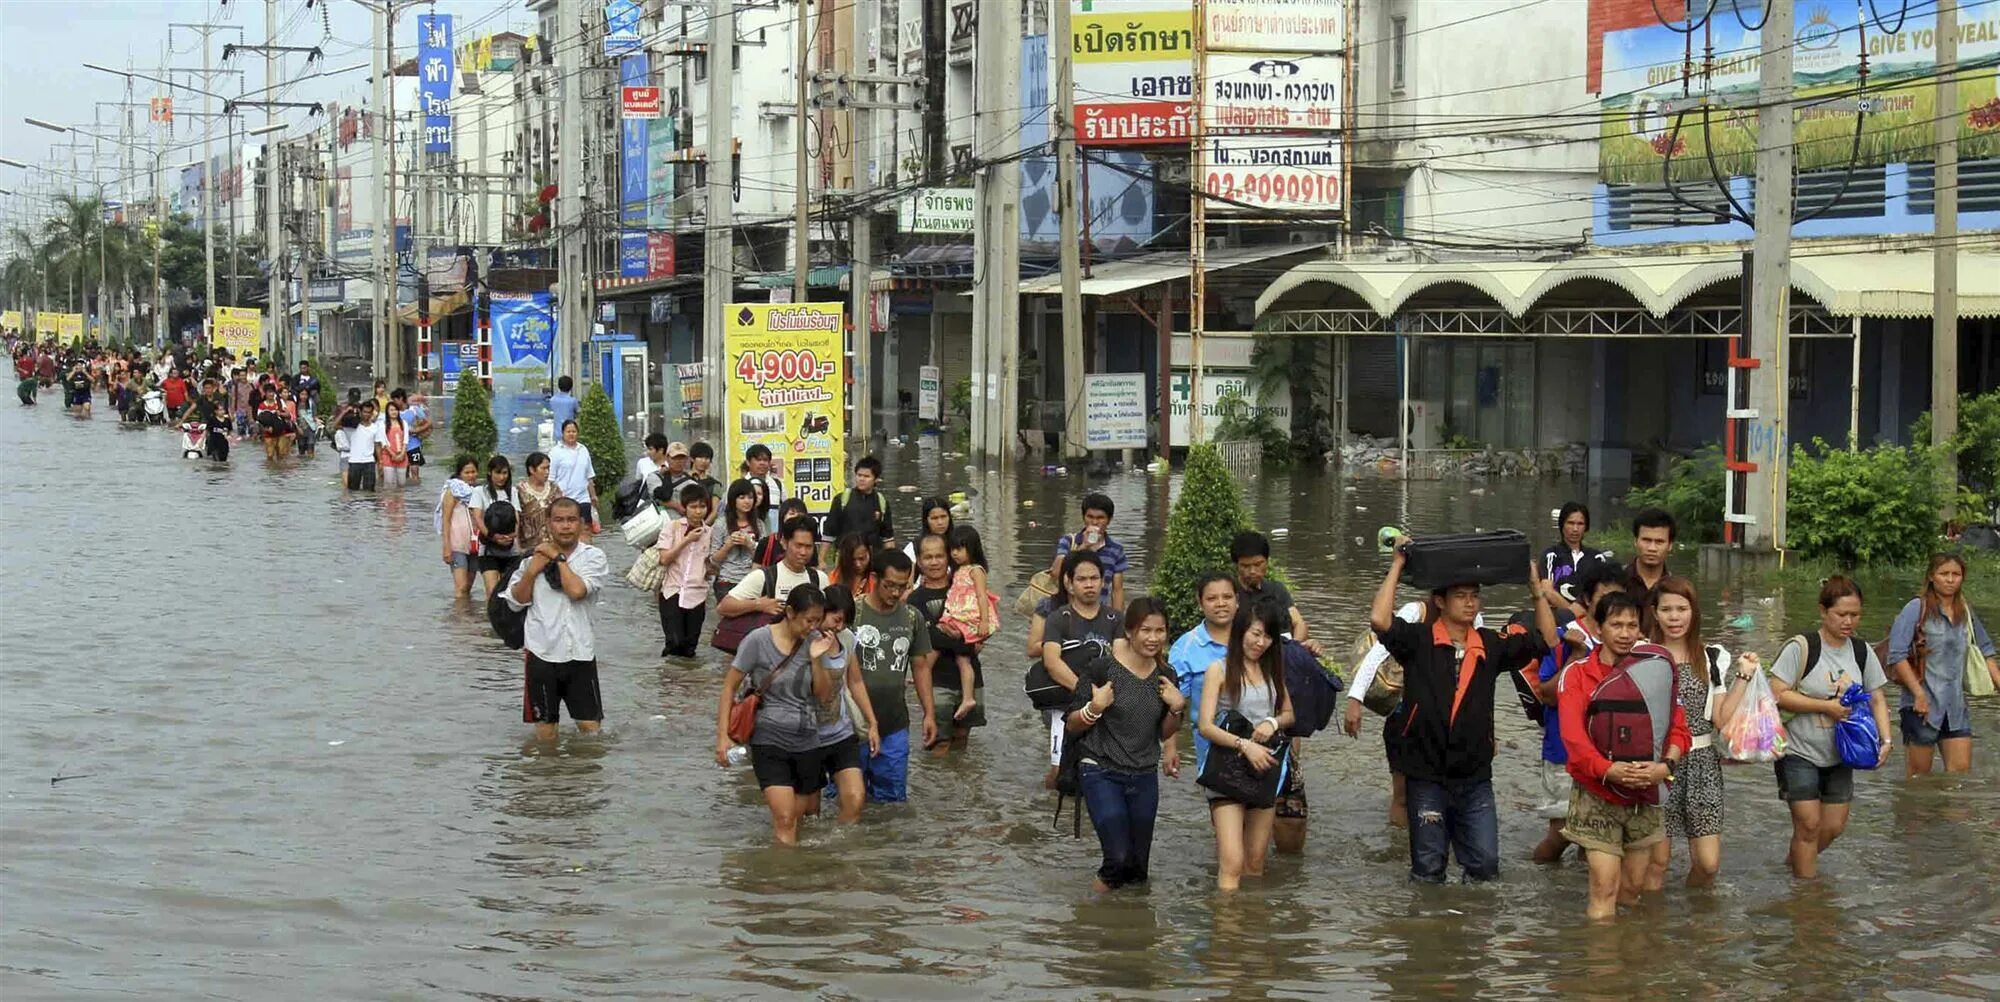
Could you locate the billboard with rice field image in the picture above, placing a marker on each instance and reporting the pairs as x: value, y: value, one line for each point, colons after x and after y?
x: 1652, y: 108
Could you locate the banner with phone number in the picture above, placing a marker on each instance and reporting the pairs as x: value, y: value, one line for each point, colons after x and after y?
x: 785, y: 388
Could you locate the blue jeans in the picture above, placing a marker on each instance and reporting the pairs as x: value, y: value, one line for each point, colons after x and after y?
x: 1122, y: 807
x: 1459, y: 817
x: 885, y: 776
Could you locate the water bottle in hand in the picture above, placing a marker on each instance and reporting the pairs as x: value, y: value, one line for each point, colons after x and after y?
x: 738, y: 755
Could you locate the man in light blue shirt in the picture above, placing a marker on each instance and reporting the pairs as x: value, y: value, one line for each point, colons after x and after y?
x: 564, y: 403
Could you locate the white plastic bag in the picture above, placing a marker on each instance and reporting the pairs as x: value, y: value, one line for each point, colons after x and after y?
x: 643, y: 528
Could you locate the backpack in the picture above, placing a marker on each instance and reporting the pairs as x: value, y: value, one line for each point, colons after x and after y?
x: 631, y: 494
x: 1069, y: 770
x: 1312, y: 689
x: 509, y: 624
x: 1631, y: 710
x: 1811, y: 642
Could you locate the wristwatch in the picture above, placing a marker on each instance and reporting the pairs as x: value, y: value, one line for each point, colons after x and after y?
x: 1672, y: 773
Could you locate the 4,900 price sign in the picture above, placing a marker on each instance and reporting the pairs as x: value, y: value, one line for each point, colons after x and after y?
x: 788, y: 366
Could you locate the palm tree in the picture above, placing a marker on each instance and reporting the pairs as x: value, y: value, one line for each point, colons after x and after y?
x: 81, y: 246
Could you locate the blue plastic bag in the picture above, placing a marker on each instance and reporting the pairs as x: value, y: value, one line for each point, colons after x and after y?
x: 1855, y: 736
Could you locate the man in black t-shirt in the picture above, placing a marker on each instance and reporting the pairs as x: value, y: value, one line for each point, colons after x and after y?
x: 211, y: 408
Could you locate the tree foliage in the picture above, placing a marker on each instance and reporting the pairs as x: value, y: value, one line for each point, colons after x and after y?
x: 1977, y: 447
x: 597, y: 428
x: 472, y: 427
x: 1208, y: 513
x: 1869, y: 506
x: 1691, y: 492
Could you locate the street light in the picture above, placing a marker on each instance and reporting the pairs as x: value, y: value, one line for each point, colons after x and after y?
x: 51, y: 126
x: 6, y: 162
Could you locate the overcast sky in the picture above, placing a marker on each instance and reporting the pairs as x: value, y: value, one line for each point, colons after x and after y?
x: 43, y: 44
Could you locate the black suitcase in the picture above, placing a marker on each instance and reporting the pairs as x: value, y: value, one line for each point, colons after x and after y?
x: 1482, y: 558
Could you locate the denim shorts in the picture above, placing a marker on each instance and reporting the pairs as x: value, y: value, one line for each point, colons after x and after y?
x: 1918, y: 732
x: 461, y: 561
x: 1801, y: 781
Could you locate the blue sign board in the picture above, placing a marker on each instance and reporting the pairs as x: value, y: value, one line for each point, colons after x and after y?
x: 632, y: 254
x: 635, y: 174
x: 434, y: 72
x: 621, y: 28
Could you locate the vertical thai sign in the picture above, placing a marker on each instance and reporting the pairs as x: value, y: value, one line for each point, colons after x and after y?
x: 634, y: 174
x: 523, y: 346
x: 660, y: 173
x: 434, y: 74
x: 1274, y: 80
x: 784, y: 389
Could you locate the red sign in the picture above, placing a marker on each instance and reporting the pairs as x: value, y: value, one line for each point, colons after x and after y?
x: 160, y: 109
x: 642, y: 102
x: 659, y: 255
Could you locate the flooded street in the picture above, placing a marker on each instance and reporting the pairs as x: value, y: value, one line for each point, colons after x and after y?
x: 299, y: 769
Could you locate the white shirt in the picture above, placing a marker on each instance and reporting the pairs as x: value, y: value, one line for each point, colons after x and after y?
x: 480, y: 497
x: 570, y: 467
x: 558, y: 627
x: 361, y: 442
x: 751, y: 588
x: 1364, y: 673
x: 645, y: 468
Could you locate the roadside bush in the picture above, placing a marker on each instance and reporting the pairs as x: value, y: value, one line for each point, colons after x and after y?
x: 1871, y: 506
x: 1977, y: 446
x: 472, y: 428
x: 1239, y: 422
x: 329, y: 400
x: 597, y: 428
x: 1692, y: 493
x: 1208, y: 513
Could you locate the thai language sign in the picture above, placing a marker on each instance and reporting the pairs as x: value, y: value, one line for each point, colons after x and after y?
x: 524, y: 337
x: 1304, y: 25
x: 434, y: 72
x: 1133, y: 68
x: 936, y: 210
x: 1223, y: 395
x: 785, y: 389
x: 635, y: 177
x: 236, y: 329
x: 1273, y: 172
x: 1647, y: 120
x: 1267, y: 90
x: 1114, y: 410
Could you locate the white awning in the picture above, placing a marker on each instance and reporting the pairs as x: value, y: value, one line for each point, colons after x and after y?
x: 1844, y: 282
x: 1137, y: 272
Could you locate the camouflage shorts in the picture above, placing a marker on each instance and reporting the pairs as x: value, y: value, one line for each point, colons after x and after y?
x: 1601, y: 826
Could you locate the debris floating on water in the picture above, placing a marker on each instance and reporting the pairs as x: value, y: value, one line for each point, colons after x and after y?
x: 1742, y: 622
x: 336, y: 744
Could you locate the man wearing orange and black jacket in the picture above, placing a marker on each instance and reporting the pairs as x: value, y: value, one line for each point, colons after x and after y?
x: 1445, y: 750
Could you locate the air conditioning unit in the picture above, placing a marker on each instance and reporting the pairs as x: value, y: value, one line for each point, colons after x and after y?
x: 1426, y: 424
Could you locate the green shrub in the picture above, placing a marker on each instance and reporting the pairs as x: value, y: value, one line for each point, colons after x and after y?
x: 1208, y: 513
x: 1691, y: 492
x: 597, y: 428
x: 472, y: 428
x: 1977, y: 446
x: 1859, y: 507
x: 328, y: 400
x: 1238, y: 422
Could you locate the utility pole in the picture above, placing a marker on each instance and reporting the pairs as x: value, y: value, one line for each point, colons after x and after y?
x: 861, y: 228
x: 572, y: 274
x: 718, y: 273
x: 274, y: 297
x: 1944, y: 253
x: 1198, y: 233
x: 801, y: 195
x: 382, y: 300
x: 997, y: 193
x: 1769, y: 315
x: 210, y: 183
x: 1070, y: 216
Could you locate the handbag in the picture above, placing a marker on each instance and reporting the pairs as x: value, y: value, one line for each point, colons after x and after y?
x: 1227, y: 773
x: 642, y: 527
x: 646, y: 571
x: 743, y: 713
x: 1855, y: 735
x: 1039, y: 587
x: 730, y: 630
x: 1977, y: 681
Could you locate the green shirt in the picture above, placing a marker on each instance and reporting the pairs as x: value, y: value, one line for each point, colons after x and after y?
x: 885, y: 644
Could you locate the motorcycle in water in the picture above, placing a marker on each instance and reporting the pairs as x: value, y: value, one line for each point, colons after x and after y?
x: 155, y: 407
x: 194, y: 440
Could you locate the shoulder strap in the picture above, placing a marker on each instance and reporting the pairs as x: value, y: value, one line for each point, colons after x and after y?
x: 770, y: 581
x: 1812, y: 648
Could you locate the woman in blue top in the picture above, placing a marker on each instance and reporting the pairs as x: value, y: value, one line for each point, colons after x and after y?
x: 1932, y: 666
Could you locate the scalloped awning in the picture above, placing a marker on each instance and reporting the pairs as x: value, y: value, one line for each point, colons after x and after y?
x: 1844, y: 283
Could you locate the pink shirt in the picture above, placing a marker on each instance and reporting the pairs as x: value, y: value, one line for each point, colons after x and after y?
x: 686, y: 575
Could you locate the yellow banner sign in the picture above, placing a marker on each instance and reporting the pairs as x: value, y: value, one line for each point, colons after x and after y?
x: 237, y: 329
x: 69, y: 327
x: 10, y: 320
x: 786, y: 388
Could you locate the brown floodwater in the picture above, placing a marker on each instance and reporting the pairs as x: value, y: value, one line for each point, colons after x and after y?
x: 299, y: 769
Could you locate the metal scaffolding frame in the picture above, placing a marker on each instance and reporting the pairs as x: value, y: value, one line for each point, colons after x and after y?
x: 1581, y: 322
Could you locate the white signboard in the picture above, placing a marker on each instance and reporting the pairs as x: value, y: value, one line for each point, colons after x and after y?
x: 936, y: 210
x: 928, y: 402
x: 1294, y: 173
x: 1272, y: 91
x: 1303, y: 25
x: 1216, y: 387
x: 1114, y: 410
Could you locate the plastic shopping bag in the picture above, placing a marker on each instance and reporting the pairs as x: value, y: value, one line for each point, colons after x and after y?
x: 1755, y: 733
x: 1855, y: 736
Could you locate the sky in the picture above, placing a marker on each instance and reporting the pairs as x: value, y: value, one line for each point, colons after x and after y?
x: 43, y: 44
